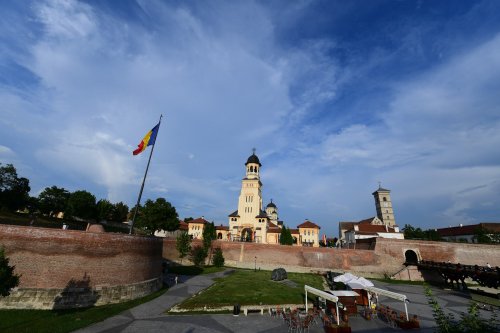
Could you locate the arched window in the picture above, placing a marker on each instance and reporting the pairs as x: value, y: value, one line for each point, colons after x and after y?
x: 219, y: 236
x: 384, y: 198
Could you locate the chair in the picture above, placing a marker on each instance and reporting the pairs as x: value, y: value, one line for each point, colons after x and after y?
x: 304, y: 325
x: 293, y: 325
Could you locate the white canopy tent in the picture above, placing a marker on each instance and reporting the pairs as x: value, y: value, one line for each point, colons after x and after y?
x: 391, y: 294
x: 324, y: 295
x: 344, y: 278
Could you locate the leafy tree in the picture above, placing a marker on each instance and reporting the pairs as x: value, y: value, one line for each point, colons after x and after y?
x: 104, y: 209
x: 484, y: 236
x: 187, y: 219
x: 286, y: 236
x: 14, y: 191
x: 218, y: 259
x: 183, y: 245
x: 81, y: 204
x: 198, y: 255
x: 8, y: 279
x: 53, y: 200
x: 209, y: 234
x: 157, y: 215
x: 119, y: 212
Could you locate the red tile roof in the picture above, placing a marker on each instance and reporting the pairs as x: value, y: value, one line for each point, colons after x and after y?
x: 183, y: 225
x: 468, y: 229
x: 308, y: 224
x: 222, y: 227
x: 372, y: 228
x: 198, y: 220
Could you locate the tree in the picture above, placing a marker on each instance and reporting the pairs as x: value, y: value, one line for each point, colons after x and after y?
x: 119, y: 212
x: 286, y: 236
x: 183, y: 245
x: 8, y: 279
x: 53, y: 200
x: 14, y: 191
x: 187, y: 219
x: 198, y: 255
x: 81, y: 204
x: 218, y: 259
x: 157, y: 215
x: 104, y: 209
x: 209, y: 234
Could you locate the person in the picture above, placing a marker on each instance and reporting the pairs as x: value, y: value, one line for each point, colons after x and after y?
x: 176, y: 279
x: 489, y: 266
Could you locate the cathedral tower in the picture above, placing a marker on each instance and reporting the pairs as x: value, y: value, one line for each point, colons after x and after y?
x: 249, y: 222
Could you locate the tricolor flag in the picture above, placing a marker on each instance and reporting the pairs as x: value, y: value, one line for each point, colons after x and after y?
x: 149, y: 140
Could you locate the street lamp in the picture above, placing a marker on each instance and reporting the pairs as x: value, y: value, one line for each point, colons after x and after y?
x: 255, y: 267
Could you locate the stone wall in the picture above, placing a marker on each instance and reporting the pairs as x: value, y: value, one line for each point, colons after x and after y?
x: 55, y: 261
x: 375, y: 258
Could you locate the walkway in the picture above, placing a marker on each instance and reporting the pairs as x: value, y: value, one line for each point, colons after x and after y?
x: 151, y: 317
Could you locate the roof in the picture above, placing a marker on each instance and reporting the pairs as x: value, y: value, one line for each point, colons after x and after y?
x: 380, y: 189
x: 274, y: 230
x: 371, y: 228
x: 272, y: 225
x: 271, y: 204
x: 222, y: 227
x: 234, y: 214
x: 308, y: 224
x: 367, y: 221
x: 253, y: 159
x: 198, y: 220
x: 183, y: 225
x: 294, y: 231
x: 262, y: 214
x: 346, y: 225
x: 468, y: 229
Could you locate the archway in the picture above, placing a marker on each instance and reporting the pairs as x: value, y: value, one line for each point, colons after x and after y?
x: 411, y: 257
x: 247, y: 235
x: 219, y: 235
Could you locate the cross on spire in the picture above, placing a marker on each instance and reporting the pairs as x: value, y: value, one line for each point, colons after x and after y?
x: 253, y: 149
x: 379, y: 185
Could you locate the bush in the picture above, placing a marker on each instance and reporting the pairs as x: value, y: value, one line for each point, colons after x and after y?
x: 218, y: 259
x: 8, y: 279
x: 198, y: 255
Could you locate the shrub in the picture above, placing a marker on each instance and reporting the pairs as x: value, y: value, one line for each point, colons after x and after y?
x: 198, y: 255
x: 8, y: 279
x: 218, y: 259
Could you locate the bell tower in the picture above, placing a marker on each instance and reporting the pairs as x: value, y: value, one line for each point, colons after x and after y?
x: 383, y: 204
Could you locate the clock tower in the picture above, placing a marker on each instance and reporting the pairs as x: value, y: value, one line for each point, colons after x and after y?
x: 383, y: 205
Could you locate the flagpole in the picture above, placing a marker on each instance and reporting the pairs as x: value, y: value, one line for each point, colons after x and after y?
x: 143, y: 181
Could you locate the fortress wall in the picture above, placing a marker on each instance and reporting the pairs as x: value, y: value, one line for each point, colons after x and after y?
x: 387, y: 256
x: 467, y: 254
x: 116, y: 266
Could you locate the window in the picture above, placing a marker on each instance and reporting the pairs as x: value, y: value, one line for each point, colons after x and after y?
x: 384, y: 198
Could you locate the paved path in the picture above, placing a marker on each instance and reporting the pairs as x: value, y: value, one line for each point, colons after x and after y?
x: 150, y: 317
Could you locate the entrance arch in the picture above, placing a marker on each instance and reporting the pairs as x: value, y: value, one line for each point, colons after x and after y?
x: 219, y: 235
x: 411, y: 257
x: 247, y: 235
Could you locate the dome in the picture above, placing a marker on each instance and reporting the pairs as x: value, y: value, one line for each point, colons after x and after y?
x: 271, y: 204
x: 253, y: 159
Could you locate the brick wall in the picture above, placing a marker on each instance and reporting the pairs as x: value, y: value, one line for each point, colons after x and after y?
x: 55, y: 259
x: 376, y: 258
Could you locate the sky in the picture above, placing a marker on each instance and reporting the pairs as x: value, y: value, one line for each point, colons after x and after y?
x: 336, y: 96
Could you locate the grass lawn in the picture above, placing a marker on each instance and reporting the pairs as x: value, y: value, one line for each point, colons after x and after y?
x: 248, y: 287
x: 52, y: 321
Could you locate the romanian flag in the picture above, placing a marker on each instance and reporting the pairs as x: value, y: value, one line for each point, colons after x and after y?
x: 149, y: 140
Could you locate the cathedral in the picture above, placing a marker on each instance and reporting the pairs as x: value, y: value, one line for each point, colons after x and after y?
x: 251, y: 223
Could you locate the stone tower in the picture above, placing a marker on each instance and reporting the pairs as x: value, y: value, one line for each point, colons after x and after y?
x: 249, y: 222
x: 383, y: 205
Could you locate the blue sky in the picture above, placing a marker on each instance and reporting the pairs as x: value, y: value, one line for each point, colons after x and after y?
x: 334, y: 95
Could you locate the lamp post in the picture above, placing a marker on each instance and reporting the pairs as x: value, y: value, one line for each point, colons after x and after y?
x: 255, y: 262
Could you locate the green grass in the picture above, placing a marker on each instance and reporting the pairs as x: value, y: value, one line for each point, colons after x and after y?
x: 248, y: 287
x: 485, y: 299
x: 194, y: 270
x: 60, y: 321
